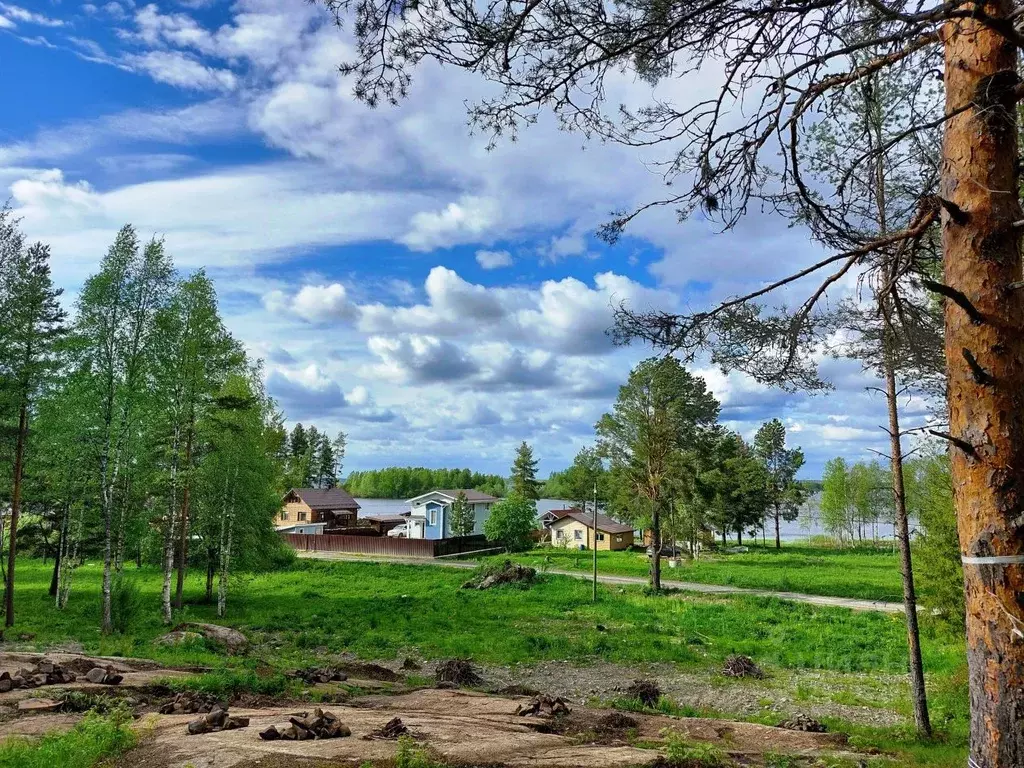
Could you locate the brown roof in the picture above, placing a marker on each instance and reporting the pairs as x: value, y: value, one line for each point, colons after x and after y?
x: 325, y: 498
x: 604, y: 523
x: 385, y: 518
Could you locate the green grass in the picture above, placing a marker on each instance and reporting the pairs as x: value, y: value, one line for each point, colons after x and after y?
x: 315, y: 609
x: 387, y: 611
x: 865, y: 573
x: 95, y: 738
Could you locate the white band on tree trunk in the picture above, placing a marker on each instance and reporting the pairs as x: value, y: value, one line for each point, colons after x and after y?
x: 994, y: 560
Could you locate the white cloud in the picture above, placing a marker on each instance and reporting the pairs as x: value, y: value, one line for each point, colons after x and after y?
x: 18, y: 14
x: 182, y: 71
x: 493, y: 259
x: 465, y: 221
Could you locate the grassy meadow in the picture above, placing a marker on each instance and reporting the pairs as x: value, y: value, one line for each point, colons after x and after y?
x: 867, y: 573
x: 314, y: 609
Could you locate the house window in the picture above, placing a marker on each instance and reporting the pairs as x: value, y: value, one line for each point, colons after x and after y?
x: 284, y: 515
x: 433, y: 517
x: 577, y: 534
x: 618, y: 539
x: 600, y: 537
x: 302, y: 515
x: 559, y: 534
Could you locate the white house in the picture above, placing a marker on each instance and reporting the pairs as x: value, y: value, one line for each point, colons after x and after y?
x: 430, y: 514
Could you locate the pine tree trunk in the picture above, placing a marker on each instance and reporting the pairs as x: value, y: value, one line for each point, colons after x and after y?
x: 778, y: 535
x: 985, y: 363
x: 19, y: 466
x: 917, y: 689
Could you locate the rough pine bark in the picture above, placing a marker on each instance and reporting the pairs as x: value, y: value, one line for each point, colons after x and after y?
x: 985, y: 358
x: 656, y: 544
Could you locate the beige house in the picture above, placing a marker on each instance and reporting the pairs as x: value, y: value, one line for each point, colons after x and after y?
x: 574, y: 529
x: 316, y: 509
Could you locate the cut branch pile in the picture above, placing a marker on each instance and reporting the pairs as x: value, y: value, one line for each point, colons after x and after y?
x: 44, y: 672
x: 457, y: 672
x: 544, y: 706
x: 507, y: 573
x: 392, y: 729
x: 742, y: 666
x: 191, y: 703
x: 646, y: 692
x: 314, y: 675
x: 216, y: 720
x: 304, y: 727
x: 803, y: 723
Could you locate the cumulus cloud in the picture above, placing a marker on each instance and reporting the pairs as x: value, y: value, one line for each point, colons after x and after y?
x: 304, y: 391
x: 493, y: 259
x: 464, y: 221
x: 419, y: 359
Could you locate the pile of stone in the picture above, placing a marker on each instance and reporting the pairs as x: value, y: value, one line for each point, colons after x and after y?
x: 191, y: 703
x: 104, y: 676
x: 303, y: 727
x: 216, y: 720
x: 803, y: 723
x: 544, y: 706
x: 43, y: 672
x: 314, y: 675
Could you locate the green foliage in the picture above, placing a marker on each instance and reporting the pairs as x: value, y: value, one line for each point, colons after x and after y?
x: 95, y: 738
x: 126, y: 602
x: 937, y: 545
x: 577, y: 483
x: 463, y: 518
x: 731, y: 484
x: 406, y: 482
x: 231, y: 682
x: 784, y: 494
x: 524, y: 473
x: 511, y: 522
x: 412, y: 755
x: 681, y: 752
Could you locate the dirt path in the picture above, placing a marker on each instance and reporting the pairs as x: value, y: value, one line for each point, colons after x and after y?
x: 852, y: 603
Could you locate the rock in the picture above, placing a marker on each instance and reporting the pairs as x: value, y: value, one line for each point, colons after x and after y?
x: 270, y: 734
x: 45, y: 667
x: 96, y: 675
x: 38, y: 680
x: 6, y: 685
x: 217, y: 720
x: 178, y: 638
x: 196, y: 727
x: 231, y: 640
x: 803, y: 723
x: 38, y: 705
x: 392, y: 729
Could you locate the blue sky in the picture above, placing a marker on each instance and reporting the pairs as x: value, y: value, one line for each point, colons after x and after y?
x: 438, y: 301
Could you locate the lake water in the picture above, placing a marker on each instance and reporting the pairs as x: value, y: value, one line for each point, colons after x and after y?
x: 805, y: 525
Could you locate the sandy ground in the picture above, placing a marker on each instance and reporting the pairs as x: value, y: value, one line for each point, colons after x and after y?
x: 456, y: 726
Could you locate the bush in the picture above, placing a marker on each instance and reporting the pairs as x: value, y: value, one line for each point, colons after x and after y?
x: 126, y: 602
x: 511, y: 522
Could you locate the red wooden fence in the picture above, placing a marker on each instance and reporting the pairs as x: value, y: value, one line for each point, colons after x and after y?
x: 383, y: 545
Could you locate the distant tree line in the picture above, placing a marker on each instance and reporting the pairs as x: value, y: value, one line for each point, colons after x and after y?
x: 134, y: 428
x: 406, y: 482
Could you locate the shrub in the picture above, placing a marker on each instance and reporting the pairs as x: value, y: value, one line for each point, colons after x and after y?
x: 681, y: 752
x: 511, y: 523
x: 126, y: 602
x: 96, y: 737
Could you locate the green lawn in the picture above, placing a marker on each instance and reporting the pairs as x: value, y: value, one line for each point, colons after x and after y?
x: 317, y: 608
x: 385, y: 611
x: 866, y: 573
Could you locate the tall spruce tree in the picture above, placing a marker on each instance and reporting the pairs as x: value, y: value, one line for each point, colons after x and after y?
x: 785, y: 494
x: 524, y: 473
